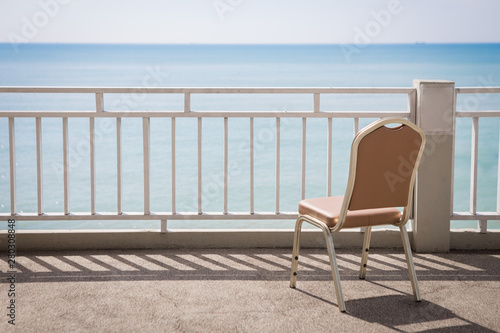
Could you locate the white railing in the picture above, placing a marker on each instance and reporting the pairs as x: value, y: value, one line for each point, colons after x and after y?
x: 473, y: 214
x: 315, y: 112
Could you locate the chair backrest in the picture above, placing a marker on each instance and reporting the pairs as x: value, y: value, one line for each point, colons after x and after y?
x: 383, y: 165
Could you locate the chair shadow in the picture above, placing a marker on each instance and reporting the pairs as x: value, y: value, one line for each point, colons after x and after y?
x: 316, y: 297
x: 400, y: 314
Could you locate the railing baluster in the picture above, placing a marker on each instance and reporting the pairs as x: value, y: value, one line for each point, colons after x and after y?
x: 303, y: 183
x: 199, y: 167
x: 251, y: 168
x: 498, y: 178
x: 225, y: 163
x: 66, y: 164
x: 412, y: 105
x: 329, y: 159
x: 187, y: 102
x: 39, y: 165
x: 92, y: 164
x: 12, y: 158
x: 146, y: 154
x: 473, y: 165
x: 482, y: 226
x: 163, y: 226
x: 277, y: 165
x: 173, y: 163
x: 119, y: 165
x: 99, y: 107
x: 99, y: 102
x: 316, y: 108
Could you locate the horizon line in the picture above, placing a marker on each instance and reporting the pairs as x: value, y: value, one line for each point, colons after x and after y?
x: 250, y: 44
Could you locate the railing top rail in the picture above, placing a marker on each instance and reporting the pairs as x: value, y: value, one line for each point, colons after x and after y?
x: 206, y: 114
x: 478, y: 90
x: 478, y: 113
x: 208, y: 90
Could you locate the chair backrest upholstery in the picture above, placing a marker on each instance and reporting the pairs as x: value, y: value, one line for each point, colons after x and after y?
x: 383, y: 166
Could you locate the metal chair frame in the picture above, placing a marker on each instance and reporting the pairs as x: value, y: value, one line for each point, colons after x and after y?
x: 327, y: 231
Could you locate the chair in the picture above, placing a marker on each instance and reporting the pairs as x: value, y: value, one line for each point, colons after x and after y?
x: 383, y: 165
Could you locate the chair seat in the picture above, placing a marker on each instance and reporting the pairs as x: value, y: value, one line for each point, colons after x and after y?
x: 328, y: 210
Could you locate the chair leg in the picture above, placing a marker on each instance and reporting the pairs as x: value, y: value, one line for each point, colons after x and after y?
x: 295, y: 255
x: 335, y: 269
x: 364, y: 255
x: 409, y: 261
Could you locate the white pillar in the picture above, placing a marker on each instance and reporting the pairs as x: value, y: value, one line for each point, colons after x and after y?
x: 435, y: 114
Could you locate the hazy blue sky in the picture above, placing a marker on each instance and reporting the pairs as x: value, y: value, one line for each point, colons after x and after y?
x: 249, y: 21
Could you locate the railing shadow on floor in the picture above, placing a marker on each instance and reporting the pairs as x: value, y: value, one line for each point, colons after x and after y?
x: 246, y: 264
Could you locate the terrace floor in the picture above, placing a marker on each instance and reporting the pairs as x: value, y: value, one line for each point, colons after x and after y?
x: 246, y: 290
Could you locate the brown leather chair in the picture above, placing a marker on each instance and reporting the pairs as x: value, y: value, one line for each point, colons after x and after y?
x: 383, y: 165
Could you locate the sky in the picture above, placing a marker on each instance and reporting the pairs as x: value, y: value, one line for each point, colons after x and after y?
x: 249, y: 21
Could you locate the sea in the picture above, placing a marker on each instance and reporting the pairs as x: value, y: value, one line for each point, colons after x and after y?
x: 64, y: 65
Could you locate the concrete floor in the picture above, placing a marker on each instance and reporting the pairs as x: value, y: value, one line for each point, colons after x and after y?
x: 246, y: 290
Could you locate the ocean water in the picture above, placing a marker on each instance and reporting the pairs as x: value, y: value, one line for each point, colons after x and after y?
x: 224, y: 66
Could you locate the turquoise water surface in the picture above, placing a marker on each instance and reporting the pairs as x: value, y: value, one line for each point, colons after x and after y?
x: 224, y: 66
